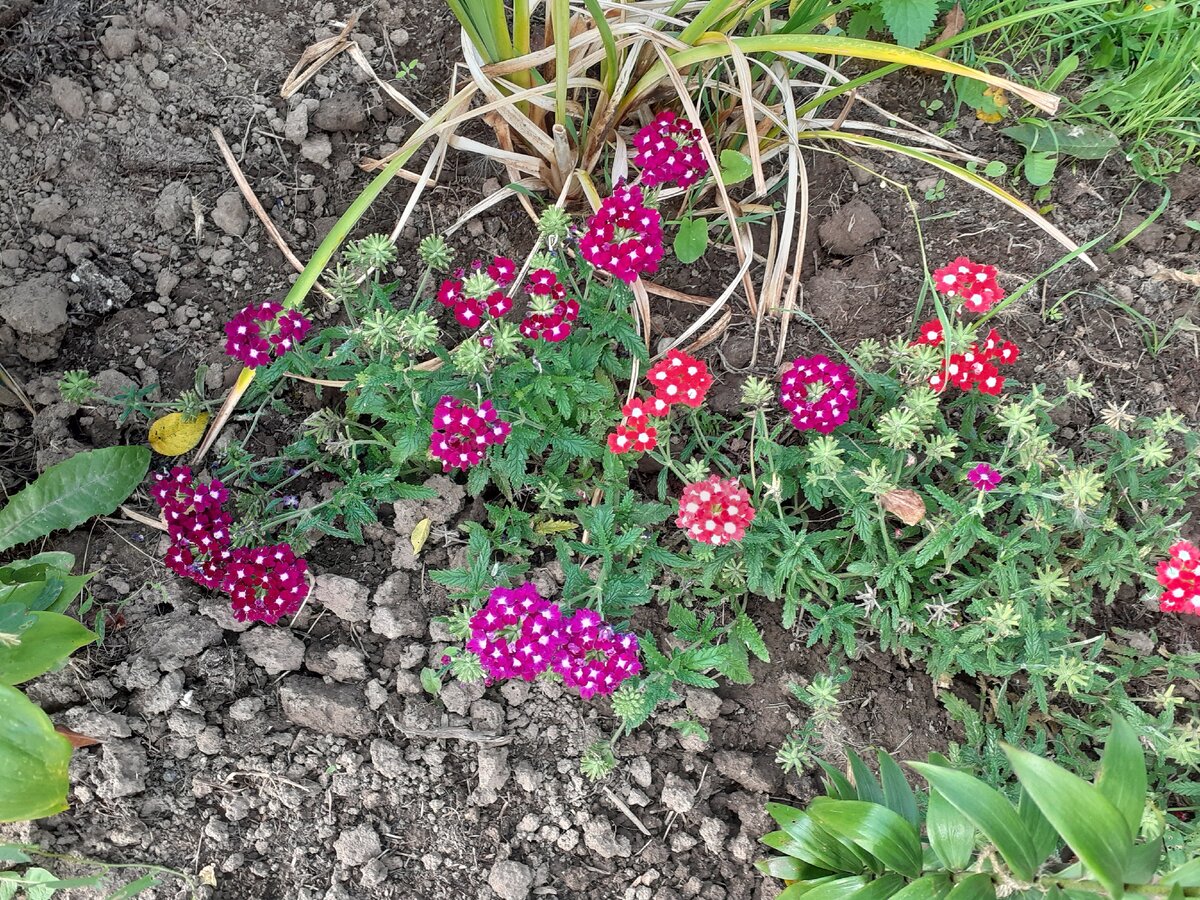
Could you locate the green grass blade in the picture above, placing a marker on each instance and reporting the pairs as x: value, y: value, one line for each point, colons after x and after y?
x: 560, y: 18
x: 1122, y: 776
x: 712, y: 11
x: 612, y: 63
x: 897, y: 793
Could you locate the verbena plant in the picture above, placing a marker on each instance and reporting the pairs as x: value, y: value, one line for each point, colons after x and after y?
x: 1051, y: 834
x: 35, y: 635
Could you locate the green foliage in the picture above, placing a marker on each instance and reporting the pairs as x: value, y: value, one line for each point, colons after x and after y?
x: 34, y: 758
x: 871, y: 844
x: 908, y: 21
x: 66, y: 495
x: 34, y: 882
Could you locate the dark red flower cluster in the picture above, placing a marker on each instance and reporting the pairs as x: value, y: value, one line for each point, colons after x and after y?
x: 819, y: 393
x: 258, y: 332
x: 462, y: 433
x: 975, y: 368
x: 974, y: 284
x: 624, y: 237
x: 668, y: 150
x: 1180, y: 578
x: 518, y: 634
x: 552, y: 311
x: 469, y: 311
x: 679, y: 378
x: 715, y: 511
x: 264, y: 583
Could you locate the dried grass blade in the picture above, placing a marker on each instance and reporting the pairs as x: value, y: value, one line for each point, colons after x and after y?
x: 741, y: 69
x: 315, y: 56
x: 245, y: 378
x: 717, y: 329
x: 533, y: 184
x: 14, y: 387
x: 507, y: 106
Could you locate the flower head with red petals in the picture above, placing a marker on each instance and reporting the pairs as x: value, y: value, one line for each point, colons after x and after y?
x: 1180, y: 579
x: 715, y: 511
x: 974, y: 284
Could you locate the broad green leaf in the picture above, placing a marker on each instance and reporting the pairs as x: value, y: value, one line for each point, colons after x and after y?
x: 1079, y: 141
x: 864, y: 781
x: 909, y: 21
x: 10, y: 853
x: 838, y: 785
x: 735, y: 167
x: 8, y: 889
x: 810, y: 842
x: 974, y: 887
x: 60, y: 559
x: 789, y: 868
x: 951, y: 834
x: 1045, y: 839
x: 42, y: 646
x: 1176, y: 893
x: 804, y: 888
x: 40, y: 585
x: 35, y: 883
x: 897, y: 793
x: 884, y: 834
x: 136, y: 887
x: 431, y: 682
x: 1087, y: 821
x: 33, y: 758
x: 1122, y: 775
x: 92, y: 483
x: 1039, y: 167
x: 691, y: 240
x: 1187, y: 875
x: 928, y: 887
x: 1143, y: 862
x: 838, y: 889
x: 989, y: 811
x: 882, y: 888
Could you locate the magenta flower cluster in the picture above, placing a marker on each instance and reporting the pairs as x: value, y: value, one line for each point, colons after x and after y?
x: 668, y: 150
x: 519, y: 634
x: 462, y: 433
x: 550, y: 294
x: 469, y: 311
x: 264, y: 583
x: 624, y: 237
x: 259, y: 332
x: 819, y: 393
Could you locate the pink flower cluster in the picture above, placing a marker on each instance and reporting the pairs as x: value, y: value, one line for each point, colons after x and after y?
x: 668, y: 150
x: 715, y: 511
x: 462, y: 433
x: 549, y: 294
x: 469, y: 311
x: 819, y: 393
x: 258, y: 332
x: 1180, y: 578
x: 624, y: 237
x: 678, y: 378
x: 264, y: 583
x: 974, y: 284
x: 518, y: 634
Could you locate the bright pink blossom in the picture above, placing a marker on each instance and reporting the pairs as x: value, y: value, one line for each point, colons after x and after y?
x: 516, y: 633
x: 593, y: 657
x: 197, y: 524
x: 984, y: 477
x: 715, y: 511
x: 819, y: 393
x: 624, y: 237
x: 257, y: 333
x: 265, y: 583
x: 462, y: 433
x: 552, y: 311
x: 668, y: 150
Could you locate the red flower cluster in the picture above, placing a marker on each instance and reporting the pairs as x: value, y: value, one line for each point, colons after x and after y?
x: 518, y: 634
x: 668, y: 150
x: 976, y: 368
x: 1180, y: 576
x: 972, y: 283
x: 264, y: 583
x: 469, y: 311
x: 462, y: 433
x: 552, y: 311
x: 819, y: 393
x: 624, y: 237
x: 258, y: 332
x: 715, y: 511
x: 678, y: 378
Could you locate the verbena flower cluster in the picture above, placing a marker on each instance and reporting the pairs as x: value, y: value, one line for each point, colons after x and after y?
x: 972, y: 284
x: 261, y: 331
x: 519, y: 634
x: 1180, y: 579
x: 668, y: 150
x: 715, y: 511
x: 462, y: 433
x: 264, y: 583
x: 677, y: 378
x: 624, y: 237
x: 819, y: 393
x: 974, y: 369
x: 551, y: 310
x: 469, y: 309
x: 984, y: 477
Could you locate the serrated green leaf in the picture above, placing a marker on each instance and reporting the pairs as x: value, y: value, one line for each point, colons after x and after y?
x: 879, y: 831
x: 951, y: 834
x: 42, y: 646
x: 747, y: 631
x: 1122, y: 775
x: 909, y: 21
x: 92, y: 483
x: 987, y: 809
x: 691, y: 240
x: 1092, y: 827
x: 33, y: 758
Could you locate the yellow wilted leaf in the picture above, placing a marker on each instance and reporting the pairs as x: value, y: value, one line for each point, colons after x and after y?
x: 208, y: 876
x: 905, y: 505
x: 420, y: 535
x: 554, y: 526
x: 170, y: 435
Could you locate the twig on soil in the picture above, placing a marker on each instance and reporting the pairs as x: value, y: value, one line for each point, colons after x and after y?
x: 454, y: 733
x: 629, y: 813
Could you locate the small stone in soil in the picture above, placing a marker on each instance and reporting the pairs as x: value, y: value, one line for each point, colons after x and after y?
x: 357, y: 846
x: 601, y: 839
x: 678, y: 794
x: 511, y: 880
x: 325, y: 708
x: 344, y: 597
x: 122, y: 769
x: 277, y: 650
x: 848, y: 231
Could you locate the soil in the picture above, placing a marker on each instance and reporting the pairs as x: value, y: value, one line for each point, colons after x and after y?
x: 307, y: 762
